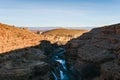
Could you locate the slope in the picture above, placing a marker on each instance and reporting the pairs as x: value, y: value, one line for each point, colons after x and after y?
x: 12, y: 38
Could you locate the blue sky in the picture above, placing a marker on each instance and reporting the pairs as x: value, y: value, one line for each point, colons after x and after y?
x: 62, y: 13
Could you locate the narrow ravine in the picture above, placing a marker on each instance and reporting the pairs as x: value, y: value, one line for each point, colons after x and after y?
x: 59, y: 69
x: 58, y: 64
x: 57, y: 60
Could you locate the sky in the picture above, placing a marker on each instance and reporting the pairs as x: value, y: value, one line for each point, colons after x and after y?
x: 59, y: 13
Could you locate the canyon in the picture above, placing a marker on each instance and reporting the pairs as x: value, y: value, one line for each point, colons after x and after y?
x: 91, y: 55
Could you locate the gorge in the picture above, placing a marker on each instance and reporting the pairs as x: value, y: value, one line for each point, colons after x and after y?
x: 60, y: 66
x: 95, y: 55
x: 60, y: 69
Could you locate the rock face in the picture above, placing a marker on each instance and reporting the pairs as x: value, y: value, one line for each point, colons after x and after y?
x: 100, y: 47
x: 24, y: 64
x: 46, y: 46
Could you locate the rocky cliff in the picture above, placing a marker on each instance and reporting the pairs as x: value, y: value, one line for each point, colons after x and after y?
x: 96, y: 54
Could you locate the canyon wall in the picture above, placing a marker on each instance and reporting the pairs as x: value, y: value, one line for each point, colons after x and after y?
x: 96, y: 54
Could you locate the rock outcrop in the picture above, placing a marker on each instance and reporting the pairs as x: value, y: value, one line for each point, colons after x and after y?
x: 100, y: 47
x: 24, y: 64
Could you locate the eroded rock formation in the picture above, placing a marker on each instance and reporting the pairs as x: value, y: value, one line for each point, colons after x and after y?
x: 100, y: 47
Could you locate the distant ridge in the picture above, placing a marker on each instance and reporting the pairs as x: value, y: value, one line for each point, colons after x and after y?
x: 63, y: 31
x: 50, y: 28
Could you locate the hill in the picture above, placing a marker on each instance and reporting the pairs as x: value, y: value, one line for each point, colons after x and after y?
x: 12, y: 38
x: 63, y: 31
x: 61, y: 36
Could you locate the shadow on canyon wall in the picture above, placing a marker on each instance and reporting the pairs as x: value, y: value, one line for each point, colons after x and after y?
x: 31, y: 63
x: 28, y: 63
x: 96, y: 53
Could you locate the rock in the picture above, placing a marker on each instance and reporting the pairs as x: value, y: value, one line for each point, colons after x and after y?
x: 46, y: 46
x: 101, y: 47
x: 110, y: 71
x: 119, y: 59
x: 118, y: 30
x: 35, y: 54
x: 26, y: 72
x: 40, y: 71
x: 110, y: 30
x: 97, y: 78
x: 24, y: 64
x: 88, y: 71
x: 94, y: 54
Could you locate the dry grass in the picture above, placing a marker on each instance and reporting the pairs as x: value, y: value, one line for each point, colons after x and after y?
x: 61, y: 35
x: 12, y: 38
x: 62, y: 31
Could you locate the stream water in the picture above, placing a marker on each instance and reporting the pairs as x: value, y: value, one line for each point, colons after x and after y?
x: 58, y: 63
x: 61, y: 71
